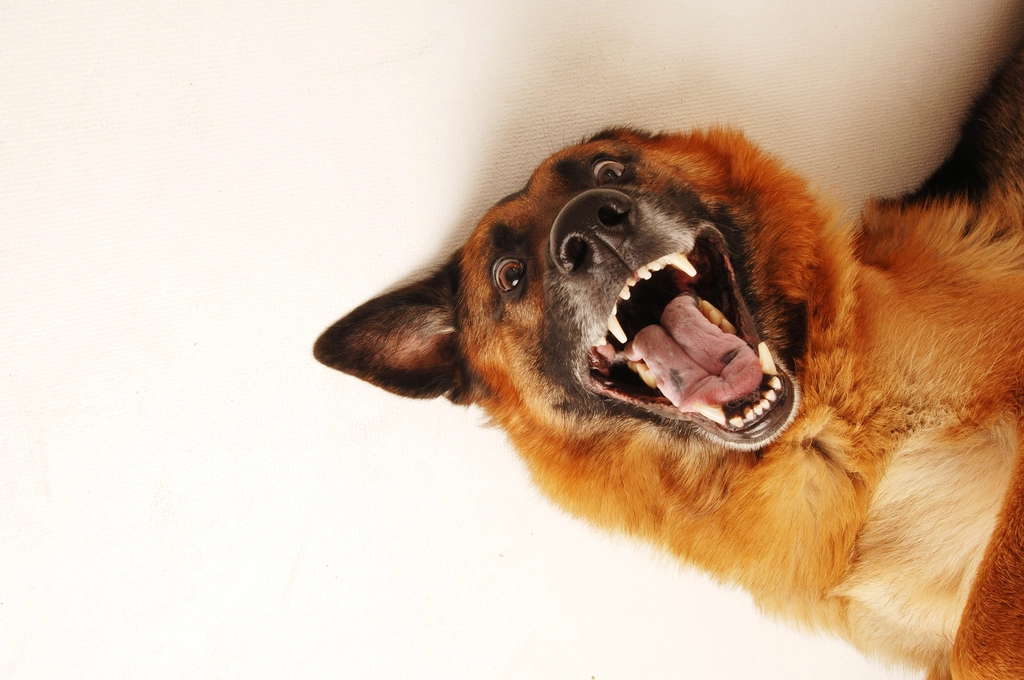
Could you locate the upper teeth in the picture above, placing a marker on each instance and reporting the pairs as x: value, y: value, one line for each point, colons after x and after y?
x: 677, y: 260
x: 616, y: 328
x: 680, y: 262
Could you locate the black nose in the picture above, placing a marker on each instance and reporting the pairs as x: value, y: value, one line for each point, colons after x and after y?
x: 590, y: 229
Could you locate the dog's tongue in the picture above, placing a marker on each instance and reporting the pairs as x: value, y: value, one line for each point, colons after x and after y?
x: 693, y: 360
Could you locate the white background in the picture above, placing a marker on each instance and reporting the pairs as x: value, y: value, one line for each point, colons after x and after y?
x: 190, y: 192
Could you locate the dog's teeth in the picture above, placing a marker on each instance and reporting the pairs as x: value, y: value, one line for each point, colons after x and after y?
x: 711, y: 313
x: 767, y: 363
x: 646, y: 375
x: 727, y: 327
x: 616, y: 328
x: 770, y: 395
x: 624, y: 293
x: 736, y: 422
x: 775, y: 383
x: 713, y: 413
x: 764, y: 404
x: 680, y: 261
x: 643, y: 272
x: 657, y: 265
x: 748, y: 414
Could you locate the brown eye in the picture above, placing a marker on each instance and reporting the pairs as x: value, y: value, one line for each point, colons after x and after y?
x: 508, y: 273
x: 608, y: 171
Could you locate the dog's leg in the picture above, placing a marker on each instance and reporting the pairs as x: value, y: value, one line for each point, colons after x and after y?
x: 990, y: 642
x: 989, y: 157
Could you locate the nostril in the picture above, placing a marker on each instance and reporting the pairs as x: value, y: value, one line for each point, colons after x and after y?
x: 590, y: 229
x: 574, y: 253
x: 612, y: 216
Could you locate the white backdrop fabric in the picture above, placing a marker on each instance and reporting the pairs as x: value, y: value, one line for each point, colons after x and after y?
x: 190, y: 192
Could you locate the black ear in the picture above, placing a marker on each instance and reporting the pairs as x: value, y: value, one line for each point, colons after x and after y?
x: 404, y: 341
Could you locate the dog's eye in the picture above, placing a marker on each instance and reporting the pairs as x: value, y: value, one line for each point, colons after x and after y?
x: 508, y: 273
x: 608, y: 171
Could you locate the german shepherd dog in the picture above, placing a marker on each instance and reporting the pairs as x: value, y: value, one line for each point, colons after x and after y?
x: 688, y: 346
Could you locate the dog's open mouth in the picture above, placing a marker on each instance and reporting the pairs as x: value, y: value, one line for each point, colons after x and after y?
x: 680, y: 339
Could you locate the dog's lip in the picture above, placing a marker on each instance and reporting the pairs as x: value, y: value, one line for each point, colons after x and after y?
x: 754, y: 432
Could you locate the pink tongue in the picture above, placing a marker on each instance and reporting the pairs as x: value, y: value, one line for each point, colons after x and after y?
x: 693, y: 360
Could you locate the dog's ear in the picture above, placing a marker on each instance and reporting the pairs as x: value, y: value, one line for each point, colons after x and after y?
x: 404, y: 341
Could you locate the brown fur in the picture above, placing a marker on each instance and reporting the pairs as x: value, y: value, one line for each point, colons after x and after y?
x: 891, y: 510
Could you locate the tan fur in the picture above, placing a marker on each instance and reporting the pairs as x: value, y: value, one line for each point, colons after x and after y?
x: 891, y: 510
x: 869, y: 516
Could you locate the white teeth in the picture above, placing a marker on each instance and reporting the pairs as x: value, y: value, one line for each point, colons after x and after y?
x: 771, y: 396
x: 616, y: 328
x: 736, y: 422
x: 775, y: 383
x: 641, y: 369
x: 713, y: 413
x: 677, y: 260
x: 767, y: 363
x: 680, y: 261
x: 715, y: 316
x: 711, y: 312
x: 645, y: 374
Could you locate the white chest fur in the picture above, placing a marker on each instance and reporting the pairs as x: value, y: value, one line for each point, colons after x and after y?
x: 925, y: 534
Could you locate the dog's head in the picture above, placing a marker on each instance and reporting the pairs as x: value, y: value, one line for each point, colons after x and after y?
x: 658, y: 280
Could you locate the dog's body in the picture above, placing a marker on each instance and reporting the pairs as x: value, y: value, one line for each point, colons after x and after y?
x: 845, y: 444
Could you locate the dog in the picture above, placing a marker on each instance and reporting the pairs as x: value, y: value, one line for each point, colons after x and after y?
x: 689, y: 346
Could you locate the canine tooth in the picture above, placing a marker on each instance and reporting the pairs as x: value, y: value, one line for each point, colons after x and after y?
x: 680, y: 261
x: 646, y: 375
x: 727, y: 327
x: 616, y: 328
x: 713, y: 413
x: 736, y: 422
x: 767, y: 363
x: 643, y: 272
x: 631, y: 365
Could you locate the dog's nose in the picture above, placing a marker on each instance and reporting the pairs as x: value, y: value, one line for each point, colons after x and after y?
x: 590, y: 229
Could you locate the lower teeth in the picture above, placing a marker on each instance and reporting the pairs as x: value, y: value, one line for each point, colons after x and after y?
x: 768, y: 396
